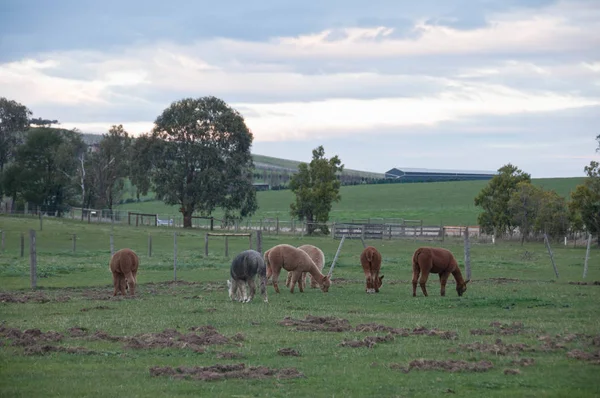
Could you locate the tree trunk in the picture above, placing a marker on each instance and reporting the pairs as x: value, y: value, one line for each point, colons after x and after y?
x: 187, y: 218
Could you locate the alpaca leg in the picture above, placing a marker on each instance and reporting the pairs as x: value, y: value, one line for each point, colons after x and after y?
x: 131, y: 281
x: 115, y: 283
x: 368, y: 280
x: 415, y: 278
x: 375, y: 280
x: 295, y: 277
x: 122, y: 284
x: 443, y: 279
x: 423, y: 282
x: 288, y: 280
x: 313, y: 282
x: 275, y: 276
x: 301, y: 285
x: 252, y: 287
x: 244, y: 291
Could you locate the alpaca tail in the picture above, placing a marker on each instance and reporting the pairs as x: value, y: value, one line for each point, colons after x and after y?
x: 415, y: 259
x: 268, y: 271
x: 370, y: 256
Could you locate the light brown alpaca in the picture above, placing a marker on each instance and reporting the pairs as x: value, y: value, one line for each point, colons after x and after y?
x: 124, y: 266
x: 318, y: 258
x: 293, y: 260
x: 436, y: 260
x: 370, y: 259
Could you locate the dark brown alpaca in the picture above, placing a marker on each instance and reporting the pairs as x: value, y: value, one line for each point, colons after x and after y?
x: 124, y: 266
x: 436, y: 260
x: 370, y: 259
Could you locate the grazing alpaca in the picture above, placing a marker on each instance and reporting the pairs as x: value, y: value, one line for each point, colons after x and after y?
x: 296, y: 261
x: 244, y: 268
x: 318, y: 258
x: 436, y: 260
x: 124, y: 266
x: 370, y: 259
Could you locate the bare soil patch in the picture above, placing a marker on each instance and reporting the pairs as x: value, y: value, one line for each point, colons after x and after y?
x: 369, y: 341
x: 501, y: 280
x: 502, y: 329
x: 37, y: 297
x: 45, y: 349
x: 29, y: 337
x: 404, y: 332
x: 230, y: 355
x: 318, y: 323
x: 512, y: 372
x: 591, y: 357
x: 594, y: 283
x: 77, y: 331
x: 220, y: 372
x: 98, y: 307
x: 171, y: 338
x: 524, y: 362
x: 498, y: 348
x: 447, y: 366
x: 288, y: 352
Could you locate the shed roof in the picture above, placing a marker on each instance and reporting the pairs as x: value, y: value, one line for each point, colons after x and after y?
x: 438, y: 171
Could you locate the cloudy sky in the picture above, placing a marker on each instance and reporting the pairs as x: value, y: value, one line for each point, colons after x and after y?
x: 462, y: 84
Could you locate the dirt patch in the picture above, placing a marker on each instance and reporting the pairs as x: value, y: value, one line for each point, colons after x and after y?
x: 447, y: 366
x: 502, y: 329
x: 94, y: 294
x: 171, y: 338
x: 317, y: 323
x: 45, y: 349
x: 512, y: 372
x: 501, y: 280
x: 238, y: 337
x: 37, y: 297
x: 419, y: 331
x: 29, y: 337
x: 220, y: 372
x: 595, y: 283
x: 524, y: 362
x: 397, y: 282
x: 498, y: 348
x: 369, y: 341
x: 98, y: 307
x: 230, y: 355
x: 288, y: 352
x: 344, y: 281
x: 76, y: 331
x: 591, y: 357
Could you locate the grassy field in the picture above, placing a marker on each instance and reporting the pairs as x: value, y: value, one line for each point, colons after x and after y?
x: 510, y: 284
x: 450, y: 203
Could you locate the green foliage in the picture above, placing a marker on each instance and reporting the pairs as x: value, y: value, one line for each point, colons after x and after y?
x: 43, y: 169
x: 585, y: 201
x: 140, y: 164
x: 316, y: 187
x: 14, y: 121
x: 524, y: 205
x: 493, y: 199
x: 202, y: 159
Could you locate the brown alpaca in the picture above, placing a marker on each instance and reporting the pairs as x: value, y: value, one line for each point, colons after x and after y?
x: 293, y: 260
x: 124, y: 266
x: 318, y: 258
x: 436, y: 260
x: 370, y: 259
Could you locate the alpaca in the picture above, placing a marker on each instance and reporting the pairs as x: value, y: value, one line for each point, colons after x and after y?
x: 124, y: 266
x: 244, y: 268
x: 440, y: 261
x: 370, y: 259
x: 296, y: 261
x: 318, y: 258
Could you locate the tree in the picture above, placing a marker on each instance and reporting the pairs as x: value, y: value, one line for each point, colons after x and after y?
x: 316, y: 187
x: 14, y: 121
x: 142, y: 153
x: 110, y: 165
x: 202, y: 159
x: 42, y: 122
x: 598, y: 139
x: 523, y: 205
x: 553, y: 215
x: 585, y: 200
x: 43, y: 167
x: 494, y: 198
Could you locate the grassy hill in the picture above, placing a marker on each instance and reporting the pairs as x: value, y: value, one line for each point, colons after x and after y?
x: 434, y: 203
x: 262, y: 161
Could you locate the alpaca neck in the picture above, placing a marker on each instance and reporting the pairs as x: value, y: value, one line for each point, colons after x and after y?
x: 314, y: 271
x: 458, y: 277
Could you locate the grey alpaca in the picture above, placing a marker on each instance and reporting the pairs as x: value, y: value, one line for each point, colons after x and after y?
x: 244, y: 268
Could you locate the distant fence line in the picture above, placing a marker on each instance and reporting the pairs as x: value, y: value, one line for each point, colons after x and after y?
x: 367, y: 228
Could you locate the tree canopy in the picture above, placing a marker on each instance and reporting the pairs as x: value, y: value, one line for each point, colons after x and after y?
x: 316, y: 187
x: 585, y: 200
x: 201, y: 159
x: 494, y: 199
x: 14, y: 121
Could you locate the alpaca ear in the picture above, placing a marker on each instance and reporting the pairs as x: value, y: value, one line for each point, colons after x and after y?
x: 381, y: 277
x: 467, y: 281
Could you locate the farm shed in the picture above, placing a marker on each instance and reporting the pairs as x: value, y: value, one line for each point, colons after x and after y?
x: 433, y: 175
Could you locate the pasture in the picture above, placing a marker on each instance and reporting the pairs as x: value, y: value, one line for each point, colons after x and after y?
x: 450, y: 203
x: 517, y: 331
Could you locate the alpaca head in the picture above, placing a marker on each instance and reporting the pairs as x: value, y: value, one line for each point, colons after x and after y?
x: 462, y: 287
x: 378, y: 282
x: 325, y: 284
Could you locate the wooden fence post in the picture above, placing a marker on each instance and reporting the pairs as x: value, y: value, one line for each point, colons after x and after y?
x: 32, y: 259
x: 40, y: 213
x: 250, y: 240
x: 22, y: 244
x: 175, y: 255
x: 587, y: 255
x: 551, y: 255
x: 337, y: 253
x: 467, y: 254
x: 3, y: 243
x: 226, y: 246
x: 206, y: 245
x: 74, y: 242
x: 259, y: 241
x: 112, y: 245
x: 277, y: 226
x: 149, y: 245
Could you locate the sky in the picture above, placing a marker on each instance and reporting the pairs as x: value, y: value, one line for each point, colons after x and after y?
x: 463, y: 84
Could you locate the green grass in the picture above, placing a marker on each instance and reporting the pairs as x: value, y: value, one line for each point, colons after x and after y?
x: 545, y: 306
x: 450, y: 203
